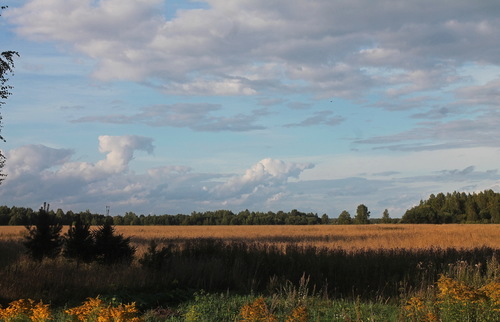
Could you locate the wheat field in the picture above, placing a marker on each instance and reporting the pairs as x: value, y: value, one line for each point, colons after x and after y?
x: 348, y: 237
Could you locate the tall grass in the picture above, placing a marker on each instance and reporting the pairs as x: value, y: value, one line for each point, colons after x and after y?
x: 275, y: 263
x: 215, y: 265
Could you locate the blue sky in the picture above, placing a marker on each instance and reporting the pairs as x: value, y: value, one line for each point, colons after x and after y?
x: 157, y: 106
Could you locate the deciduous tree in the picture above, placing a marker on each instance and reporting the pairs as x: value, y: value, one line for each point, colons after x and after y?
x: 344, y: 218
x: 386, y: 219
x: 6, y: 70
x: 362, y: 215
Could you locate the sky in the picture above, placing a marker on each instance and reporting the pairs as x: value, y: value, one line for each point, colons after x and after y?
x: 167, y: 107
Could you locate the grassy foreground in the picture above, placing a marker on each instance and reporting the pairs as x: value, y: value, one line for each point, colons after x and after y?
x: 243, y: 274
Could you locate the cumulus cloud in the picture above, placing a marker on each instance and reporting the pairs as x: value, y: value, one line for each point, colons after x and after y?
x: 119, y: 152
x: 48, y: 174
x: 32, y: 159
x: 267, y: 172
x: 42, y: 174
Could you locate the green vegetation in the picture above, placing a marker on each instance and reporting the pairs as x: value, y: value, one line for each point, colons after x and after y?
x: 44, y: 240
x: 26, y: 216
x: 483, y: 207
x: 466, y: 288
x: 103, y: 245
x: 456, y: 207
x: 276, y: 278
x: 6, y: 69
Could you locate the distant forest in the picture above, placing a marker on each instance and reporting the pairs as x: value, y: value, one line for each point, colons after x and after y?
x: 456, y: 207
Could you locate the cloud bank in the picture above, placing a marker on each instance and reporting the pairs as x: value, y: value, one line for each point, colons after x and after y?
x: 49, y: 172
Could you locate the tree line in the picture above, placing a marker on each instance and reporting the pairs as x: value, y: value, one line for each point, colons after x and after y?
x: 456, y: 207
x: 15, y: 216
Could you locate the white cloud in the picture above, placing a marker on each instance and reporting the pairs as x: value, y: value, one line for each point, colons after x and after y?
x: 387, y: 182
x: 418, y: 55
x: 49, y: 174
x: 119, y: 152
x: 267, y: 172
x: 228, y: 48
x: 32, y: 159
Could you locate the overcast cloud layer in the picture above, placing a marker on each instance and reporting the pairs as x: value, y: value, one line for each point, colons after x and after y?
x: 158, y: 106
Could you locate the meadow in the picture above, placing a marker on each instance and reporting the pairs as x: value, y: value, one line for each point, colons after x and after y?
x: 361, y: 270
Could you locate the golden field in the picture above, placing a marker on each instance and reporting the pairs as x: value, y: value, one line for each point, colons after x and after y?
x: 348, y: 237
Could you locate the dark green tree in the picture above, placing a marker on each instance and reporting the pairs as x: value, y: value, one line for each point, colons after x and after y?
x: 344, y: 218
x: 43, y: 239
x: 112, y: 248
x: 362, y: 215
x: 79, y: 242
x: 6, y: 70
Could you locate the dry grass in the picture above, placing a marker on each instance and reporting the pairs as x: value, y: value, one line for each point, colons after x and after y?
x: 371, y: 260
x: 351, y: 238
x: 346, y: 237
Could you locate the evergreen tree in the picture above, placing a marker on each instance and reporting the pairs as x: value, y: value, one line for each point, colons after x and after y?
x: 43, y: 240
x: 112, y: 248
x: 79, y: 242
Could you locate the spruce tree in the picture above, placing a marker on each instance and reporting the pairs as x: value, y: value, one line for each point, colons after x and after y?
x: 43, y: 239
x: 112, y: 248
x: 79, y: 242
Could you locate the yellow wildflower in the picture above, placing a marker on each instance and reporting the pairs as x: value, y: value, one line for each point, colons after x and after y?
x: 95, y: 308
x: 256, y: 311
x: 299, y: 314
